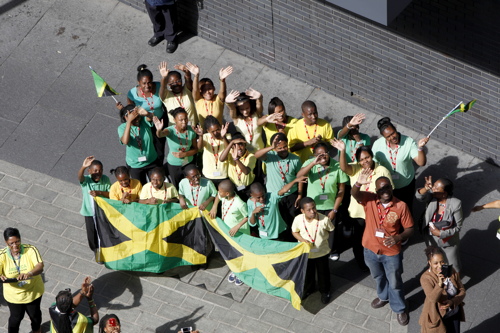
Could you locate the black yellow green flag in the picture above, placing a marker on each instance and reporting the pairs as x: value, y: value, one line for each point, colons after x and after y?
x: 272, y: 267
x: 148, y: 238
x: 101, y: 87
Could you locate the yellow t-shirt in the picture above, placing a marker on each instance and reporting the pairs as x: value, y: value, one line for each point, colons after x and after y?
x: 185, y: 101
x: 236, y: 175
x: 355, y: 209
x: 26, y: 291
x: 318, y: 230
x: 212, y: 167
x: 300, y: 132
x: 206, y: 108
x: 166, y: 192
x: 271, y: 129
x: 116, y: 191
x: 251, y: 132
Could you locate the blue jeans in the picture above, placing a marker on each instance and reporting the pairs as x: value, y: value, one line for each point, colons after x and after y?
x: 387, y: 270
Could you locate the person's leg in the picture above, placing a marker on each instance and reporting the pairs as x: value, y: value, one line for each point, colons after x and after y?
x: 357, y: 247
x: 16, y: 316
x: 406, y: 194
x: 35, y: 314
x: 323, y: 270
x: 137, y: 173
x: 452, y: 255
x: 393, y: 266
x: 91, y: 232
x: 310, y: 280
x: 377, y: 271
x: 169, y: 19
x: 157, y: 18
x: 452, y: 323
x: 288, y: 212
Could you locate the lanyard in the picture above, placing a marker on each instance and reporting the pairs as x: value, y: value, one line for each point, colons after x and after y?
x: 435, y: 213
x: 216, y: 153
x: 354, y: 146
x: 307, y: 132
x: 123, y: 191
x: 261, y: 216
x: 227, y: 210
x: 164, y: 192
x: 325, y: 173
x: 152, y: 104
x: 281, y: 128
x: 185, y: 146
x: 315, y: 233
x: 249, y: 129
x: 195, y: 200
x: 179, y: 100
x: 281, y: 170
x: 211, y: 111
x: 240, y: 172
x: 369, y: 181
x: 137, y: 137
x: 393, y: 159
x: 380, y: 216
x: 18, y: 264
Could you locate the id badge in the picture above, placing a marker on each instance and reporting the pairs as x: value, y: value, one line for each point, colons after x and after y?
x: 323, y: 197
x: 241, y: 187
x: 185, y: 161
x: 314, y: 249
x: 379, y: 233
x: 21, y: 283
x: 217, y: 174
x: 262, y: 233
x: 395, y: 176
x: 142, y: 158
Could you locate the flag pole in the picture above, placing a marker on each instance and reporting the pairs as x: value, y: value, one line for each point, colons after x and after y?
x: 444, y: 118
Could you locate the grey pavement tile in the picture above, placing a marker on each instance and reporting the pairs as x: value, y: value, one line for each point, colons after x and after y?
x: 365, y: 307
x: 28, y: 232
x: 3, y: 191
x: 14, y: 184
x: 6, y: 128
x: 65, y: 187
x: 69, y: 203
x: 231, y: 290
x: 349, y: 328
x: 65, y: 276
x: 223, y: 301
x: 248, y: 309
x: 150, y: 321
x: 202, y: 307
x: 224, y: 328
x: 176, y: 312
x: 35, y: 177
x: 270, y: 302
x: 162, y: 280
x: 5, y: 208
x: 86, y: 268
x: 198, y: 322
x: 278, y: 330
x: 345, y: 300
x: 376, y: 325
x: 11, y: 169
x: 276, y: 318
x: 253, y: 325
x: 304, y: 327
x: 41, y: 193
x: 50, y: 239
x: 363, y: 292
x: 78, y: 13
x: 170, y: 296
x: 302, y: 315
x: 17, y: 200
x: 59, y: 258
x: 190, y: 290
x: 44, y: 209
x: 75, y: 235
x: 126, y: 312
x: 206, y: 279
x: 328, y: 322
x: 71, y: 218
x: 79, y: 250
x: 148, y: 289
x: 225, y: 315
x: 350, y: 316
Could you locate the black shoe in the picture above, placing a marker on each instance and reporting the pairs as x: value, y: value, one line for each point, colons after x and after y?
x: 155, y: 40
x: 171, y: 47
x: 403, y: 319
x: 307, y: 294
x: 377, y: 303
x: 325, y: 298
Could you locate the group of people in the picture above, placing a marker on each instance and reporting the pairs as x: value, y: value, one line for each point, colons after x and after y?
x: 271, y: 176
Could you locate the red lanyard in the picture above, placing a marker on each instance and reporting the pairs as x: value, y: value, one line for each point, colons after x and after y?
x: 195, y: 200
x: 249, y: 129
x: 382, y: 217
x: 211, y: 111
x: 227, y: 210
x: 239, y: 173
x: 435, y: 213
x: 307, y: 132
x: 283, y: 174
x: 261, y: 216
x: 182, y: 147
x: 324, y: 172
x: 369, y: 181
x: 308, y: 234
x: 216, y: 153
x: 281, y: 128
x: 151, y: 105
x: 138, y: 137
x: 354, y: 144
x: 179, y: 100
x: 393, y: 159
x: 164, y: 192
x: 129, y: 192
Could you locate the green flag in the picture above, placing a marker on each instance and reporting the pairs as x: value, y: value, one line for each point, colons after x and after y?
x: 101, y: 87
x: 463, y: 107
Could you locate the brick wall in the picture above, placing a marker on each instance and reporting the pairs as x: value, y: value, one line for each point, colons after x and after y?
x: 409, y: 71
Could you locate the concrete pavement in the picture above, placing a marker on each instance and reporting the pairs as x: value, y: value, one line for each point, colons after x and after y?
x: 52, y: 119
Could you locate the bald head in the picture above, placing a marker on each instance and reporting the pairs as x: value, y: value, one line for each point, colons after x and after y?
x: 226, y: 186
x: 257, y: 188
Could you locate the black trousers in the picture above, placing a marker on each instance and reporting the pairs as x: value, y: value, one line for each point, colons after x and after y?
x: 176, y: 173
x: 288, y: 212
x: 163, y: 19
x: 142, y: 174
x: 17, y: 312
x: 320, y: 267
x: 91, y: 232
x: 406, y: 194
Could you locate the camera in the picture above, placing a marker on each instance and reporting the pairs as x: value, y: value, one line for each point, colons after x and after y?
x: 446, y: 270
x: 186, y: 329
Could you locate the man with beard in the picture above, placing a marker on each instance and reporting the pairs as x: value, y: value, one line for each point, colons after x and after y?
x: 382, y: 239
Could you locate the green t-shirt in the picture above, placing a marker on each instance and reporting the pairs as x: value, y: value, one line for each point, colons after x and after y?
x: 89, y: 185
x: 352, y: 145
x: 197, y: 196
x: 277, y: 168
x: 233, y: 212
x: 322, y: 184
x: 270, y: 222
x: 406, y: 152
x: 140, y: 148
x: 179, y: 142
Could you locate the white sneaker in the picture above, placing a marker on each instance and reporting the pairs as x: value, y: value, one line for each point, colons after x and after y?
x: 238, y: 282
x: 231, y: 278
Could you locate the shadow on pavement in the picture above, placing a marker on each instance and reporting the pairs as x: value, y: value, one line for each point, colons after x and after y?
x: 176, y: 325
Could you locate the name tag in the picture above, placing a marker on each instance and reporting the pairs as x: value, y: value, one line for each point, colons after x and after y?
x: 379, y: 233
x: 142, y: 159
x: 323, y: 197
x: 395, y: 176
x: 185, y: 161
x: 262, y: 233
x: 314, y: 249
x: 241, y: 187
x: 217, y: 174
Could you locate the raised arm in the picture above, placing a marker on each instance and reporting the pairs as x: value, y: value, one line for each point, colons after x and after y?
x: 421, y: 158
x: 163, y: 82
x: 230, y: 102
x: 357, y: 119
x: 288, y: 186
x: 223, y: 74
x: 125, y: 139
x: 362, y: 180
x: 304, y: 171
x: 200, y: 142
x: 493, y: 204
x: 340, y: 146
x: 86, y: 163
x: 257, y: 96
x: 195, y: 70
x: 160, y: 131
x: 188, y: 81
